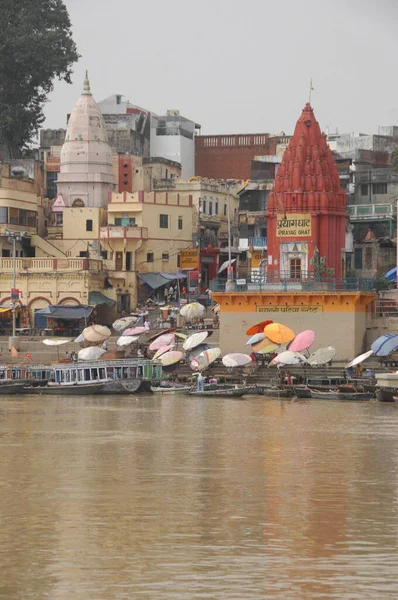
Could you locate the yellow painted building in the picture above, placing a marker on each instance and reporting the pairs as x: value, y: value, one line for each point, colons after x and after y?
x: 338, y: 318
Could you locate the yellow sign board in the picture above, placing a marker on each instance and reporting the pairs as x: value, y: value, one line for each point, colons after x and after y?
x: 189, y: 259
x: 300, y: 308
x: 295, y: 225
x: 256, y: 258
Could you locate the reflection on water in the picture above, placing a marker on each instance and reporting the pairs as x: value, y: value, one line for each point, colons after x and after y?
x: 179, y: 498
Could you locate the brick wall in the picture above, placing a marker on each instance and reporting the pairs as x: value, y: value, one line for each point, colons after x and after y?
x: 230, y: 156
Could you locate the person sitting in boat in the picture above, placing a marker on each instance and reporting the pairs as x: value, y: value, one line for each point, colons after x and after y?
x: 200, y: 383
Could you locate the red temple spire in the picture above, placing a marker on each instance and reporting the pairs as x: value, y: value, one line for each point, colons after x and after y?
x: 307, y: 183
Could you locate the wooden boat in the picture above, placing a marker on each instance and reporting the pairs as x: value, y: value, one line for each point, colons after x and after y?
x: 233, y: 392
x: 340, y: 395
x: 9, y: 386
x: 277, y: 392
x: 83, y: 388
x: 170, y: 390
x: 386, y: 394
x: 302, y: 391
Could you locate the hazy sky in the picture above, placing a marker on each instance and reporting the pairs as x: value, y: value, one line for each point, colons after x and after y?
x: 240, y: 66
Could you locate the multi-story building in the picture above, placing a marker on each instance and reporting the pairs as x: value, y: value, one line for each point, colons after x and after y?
x: 173, y: 137
x: 230, y: 156
x: 214, y: 201
x: 144, y: 237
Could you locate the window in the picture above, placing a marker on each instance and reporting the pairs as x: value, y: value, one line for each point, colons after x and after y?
x: 216, y: 207
x: 368, y: 257
x: 3, y: 214
x: 83, y: 253
x: 358, y: 258
x: 210, y: 207
x: 149, y: 257
x: 225, y: 210
x: 124, y: 221
x: 31, y: 218
x: 164, y: 221
x: 364, y: 189
x: 165, y: 256
x: 379, y: 188
x: 58, y: 219
x: 204, y: 207
x: 78, y: 203
x: 179, y: 222
x: 89, y: 224
x: 104, y: 254
x: 14, y: 216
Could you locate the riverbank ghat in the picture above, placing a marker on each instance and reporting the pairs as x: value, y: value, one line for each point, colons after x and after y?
x: 338, y: 316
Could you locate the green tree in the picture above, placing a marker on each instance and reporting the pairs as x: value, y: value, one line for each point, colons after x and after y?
x: 394, y: 159
x: 36, y: 47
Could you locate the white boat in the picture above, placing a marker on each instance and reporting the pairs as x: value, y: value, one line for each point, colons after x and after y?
x: 122, y: 376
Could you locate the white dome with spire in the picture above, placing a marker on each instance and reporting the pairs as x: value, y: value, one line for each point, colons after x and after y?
x: 86, y: 158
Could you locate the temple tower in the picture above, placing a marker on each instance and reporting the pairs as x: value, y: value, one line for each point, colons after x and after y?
x: 86, y: 175
x: 307, y: 207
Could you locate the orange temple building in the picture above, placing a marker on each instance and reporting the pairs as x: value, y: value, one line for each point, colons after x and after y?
x: 307, y: 207
x: 304, y: 287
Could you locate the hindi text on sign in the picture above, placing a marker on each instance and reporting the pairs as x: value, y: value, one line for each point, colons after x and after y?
x: 295, y: 225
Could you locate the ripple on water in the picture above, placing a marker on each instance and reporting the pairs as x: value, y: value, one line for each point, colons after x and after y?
x: 184, y: 499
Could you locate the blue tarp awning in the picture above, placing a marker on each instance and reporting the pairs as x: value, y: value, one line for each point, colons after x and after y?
x: 66, y: 312
x: 385, y: 344
x: 95, y: 298
x: 154, y: 280
x: 391, y: 275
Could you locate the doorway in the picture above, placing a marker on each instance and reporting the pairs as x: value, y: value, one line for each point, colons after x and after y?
x: 295, y: 268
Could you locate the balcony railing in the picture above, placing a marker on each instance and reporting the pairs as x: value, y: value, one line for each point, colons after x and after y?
x: 258, y: 241
x: 366, y: 212
x: 307, y: 282
x: 120, y: 232
x: 37, y: 265
x: 158, y: 184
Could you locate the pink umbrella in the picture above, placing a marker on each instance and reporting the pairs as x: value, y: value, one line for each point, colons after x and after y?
x: 162, y: 350
x: 302, y: 341
x: 162, y: 340
x: 134, y: 331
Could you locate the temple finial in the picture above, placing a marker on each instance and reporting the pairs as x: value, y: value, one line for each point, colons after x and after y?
x: 86, y: 88
x: 311, y: 90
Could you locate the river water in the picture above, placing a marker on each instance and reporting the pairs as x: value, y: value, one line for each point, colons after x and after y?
x: 113, y: 498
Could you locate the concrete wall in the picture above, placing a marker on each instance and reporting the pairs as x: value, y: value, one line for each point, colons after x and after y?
x: 341, y: 321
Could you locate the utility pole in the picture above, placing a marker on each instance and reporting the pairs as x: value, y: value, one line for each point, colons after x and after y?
x: 230, y: 284
x: 13, y: 238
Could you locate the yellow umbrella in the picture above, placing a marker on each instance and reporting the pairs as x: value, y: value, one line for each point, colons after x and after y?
x: 278, y: 333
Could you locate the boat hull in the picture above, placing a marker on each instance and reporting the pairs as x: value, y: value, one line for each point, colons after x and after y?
x: 170, y: 391
x: 386, y: 394
x: 66, y: 390
x: 277, y: 392
x: 348, y: 396
x: 12, y: 388
x: 226, y: 393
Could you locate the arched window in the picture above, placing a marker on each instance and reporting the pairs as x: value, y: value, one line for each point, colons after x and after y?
x: 78, y: 203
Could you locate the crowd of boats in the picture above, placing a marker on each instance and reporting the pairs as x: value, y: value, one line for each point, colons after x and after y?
x: 132, y: 375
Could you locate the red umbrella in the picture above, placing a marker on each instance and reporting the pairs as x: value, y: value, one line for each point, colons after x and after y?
x: 258, y: 327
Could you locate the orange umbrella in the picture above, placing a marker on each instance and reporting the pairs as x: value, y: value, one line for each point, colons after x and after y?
x: 278, y: 333
x: 258, y: 327
x: 262, y: 344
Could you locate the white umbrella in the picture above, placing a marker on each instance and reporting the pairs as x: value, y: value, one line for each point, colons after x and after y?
x: 359, y: 359
x: 322, y: 356
x: 193, y: 310
x: 204, y: 359
x: 90, y: 353
x: 162, y: 350
x: 195, y: 339
x: 289, y: 358
x: 254, y: 339
x: 96, y: 333
x: 55, y: 341
x: 225, y: 265
x: 79, y: 339
x: 236, y: 359
x: 126, y: 340
x: 123, y: 323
